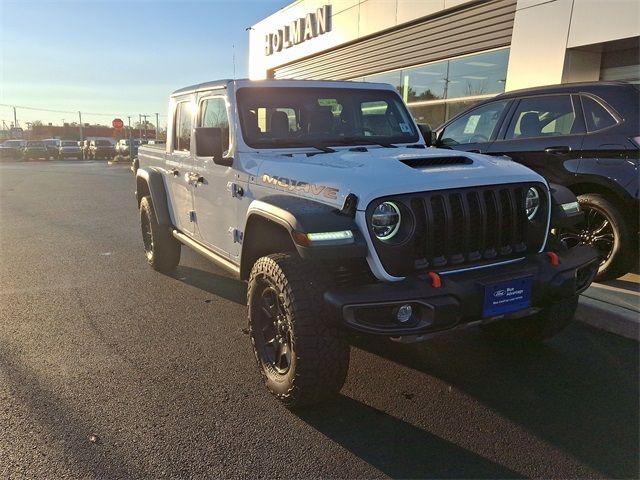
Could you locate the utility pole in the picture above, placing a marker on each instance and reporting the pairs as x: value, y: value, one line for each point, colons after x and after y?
x: 15, y: 118
x: 139, y: 125
x: 81, y: 135
x: 157, y: 126
x: 145, y: 125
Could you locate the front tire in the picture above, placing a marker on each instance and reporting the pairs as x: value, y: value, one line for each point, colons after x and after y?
x: 605, y: 229
x: 302, y: 354
x: 161, y: 249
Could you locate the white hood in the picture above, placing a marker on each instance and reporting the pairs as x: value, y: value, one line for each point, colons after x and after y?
x: 375, y: 173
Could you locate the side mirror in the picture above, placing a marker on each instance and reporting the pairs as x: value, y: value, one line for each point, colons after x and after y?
x: 427, y: 134
x: 209, y: 142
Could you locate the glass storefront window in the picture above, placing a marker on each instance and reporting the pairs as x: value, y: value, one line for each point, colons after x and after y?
x: 424, y: 83
x: 392, y: 78
x: 434, y: 114
x: 437, y: 92
x: 475, y: 75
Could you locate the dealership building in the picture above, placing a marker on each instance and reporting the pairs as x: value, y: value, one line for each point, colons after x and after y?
x: 445, y: 55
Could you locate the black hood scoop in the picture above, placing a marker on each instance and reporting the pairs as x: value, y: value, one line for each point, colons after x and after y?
x: 427, y: 162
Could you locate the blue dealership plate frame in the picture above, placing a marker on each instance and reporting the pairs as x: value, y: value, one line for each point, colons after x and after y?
x: 507, y: 296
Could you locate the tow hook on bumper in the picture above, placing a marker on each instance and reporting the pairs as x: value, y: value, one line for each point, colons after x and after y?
x: 419, y: 305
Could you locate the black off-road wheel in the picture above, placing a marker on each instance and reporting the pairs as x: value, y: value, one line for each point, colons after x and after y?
x: 302, y: 353
x: 604, y: 228
x: 161, y: 249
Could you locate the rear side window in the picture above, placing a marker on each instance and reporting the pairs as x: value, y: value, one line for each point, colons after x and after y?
x: 184, y: 121
x: 475, y: 126
x: 595, y: 115
x: 214, y: 114
x: 545, y: 116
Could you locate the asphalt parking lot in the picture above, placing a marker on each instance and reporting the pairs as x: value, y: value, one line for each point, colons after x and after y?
x: 109, y: 369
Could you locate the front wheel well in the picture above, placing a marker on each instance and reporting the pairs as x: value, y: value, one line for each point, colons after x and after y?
x: 142, y: 189
x: 584, y: 188
x: 262, y: 237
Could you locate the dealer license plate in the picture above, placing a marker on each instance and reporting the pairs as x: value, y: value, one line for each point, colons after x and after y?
x: 507, y: 297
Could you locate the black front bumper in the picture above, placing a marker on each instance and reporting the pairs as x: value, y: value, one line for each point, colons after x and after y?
x: 460, y: 298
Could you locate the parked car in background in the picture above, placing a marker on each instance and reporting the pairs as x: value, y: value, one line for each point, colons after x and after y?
x: 101, y: 149
x: 123, y: 148
x: 12, y: 149
x: 69, y: 149
x: 52, y: 145
x: 34, y: 150
x: 584, y: 136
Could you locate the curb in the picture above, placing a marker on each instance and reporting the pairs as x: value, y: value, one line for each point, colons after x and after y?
x: 609, y: 317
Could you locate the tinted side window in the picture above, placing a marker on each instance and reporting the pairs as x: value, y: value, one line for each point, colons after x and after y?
x: 545, y: 116
x: 214, y: 114
x: 182, y: 140
x: 474, y: 127
x: 595, y: 115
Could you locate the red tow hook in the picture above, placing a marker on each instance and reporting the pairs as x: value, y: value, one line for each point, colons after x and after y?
x: 553, y: 258
x: 436, y: 282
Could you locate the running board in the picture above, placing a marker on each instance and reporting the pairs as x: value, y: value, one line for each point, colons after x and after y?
x: 208, y: 254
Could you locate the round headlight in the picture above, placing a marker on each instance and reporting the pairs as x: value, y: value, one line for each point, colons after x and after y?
x: 532, y: 203
x: 385, y: 220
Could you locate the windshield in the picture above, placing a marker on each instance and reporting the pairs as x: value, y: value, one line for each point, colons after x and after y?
x: 312, y: 117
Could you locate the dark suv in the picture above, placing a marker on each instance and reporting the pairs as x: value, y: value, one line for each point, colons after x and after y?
x: 585, y: 136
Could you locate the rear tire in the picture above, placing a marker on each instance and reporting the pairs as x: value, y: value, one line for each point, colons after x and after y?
x: 161, y: 249
x: 302, y: 354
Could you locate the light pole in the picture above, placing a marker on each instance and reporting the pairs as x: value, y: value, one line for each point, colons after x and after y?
x: 157, y: 126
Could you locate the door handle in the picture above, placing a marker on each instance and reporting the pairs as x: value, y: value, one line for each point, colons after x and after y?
x: 174, y: 172
x: 562, y: 150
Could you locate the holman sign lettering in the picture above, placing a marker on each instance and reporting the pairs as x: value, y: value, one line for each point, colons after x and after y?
x: 300, y: 30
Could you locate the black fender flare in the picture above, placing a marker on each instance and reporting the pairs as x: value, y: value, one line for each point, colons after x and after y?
x: 153, y: 180
x: 301, y: 215
x: 565, y: 211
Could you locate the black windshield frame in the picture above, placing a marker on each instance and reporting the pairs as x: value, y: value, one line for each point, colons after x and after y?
x: 350, y: 123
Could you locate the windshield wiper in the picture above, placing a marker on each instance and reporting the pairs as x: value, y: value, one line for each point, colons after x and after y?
x: 361, y: 141
x: 323, y: 148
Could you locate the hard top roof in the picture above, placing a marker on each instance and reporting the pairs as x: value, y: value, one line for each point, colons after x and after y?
x: 244, y: 82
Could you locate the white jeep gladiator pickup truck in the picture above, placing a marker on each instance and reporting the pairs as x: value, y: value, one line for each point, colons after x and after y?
x: 324, y: 196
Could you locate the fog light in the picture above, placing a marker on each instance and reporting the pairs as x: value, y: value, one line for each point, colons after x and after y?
x: 404, y: 313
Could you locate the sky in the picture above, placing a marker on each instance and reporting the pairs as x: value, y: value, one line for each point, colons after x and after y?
x: 117, y: 58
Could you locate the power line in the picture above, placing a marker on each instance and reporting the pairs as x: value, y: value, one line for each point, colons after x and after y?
x: 64, y: 111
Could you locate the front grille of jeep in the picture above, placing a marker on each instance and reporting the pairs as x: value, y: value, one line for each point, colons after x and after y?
x: 463, y: 227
